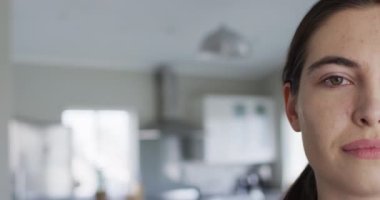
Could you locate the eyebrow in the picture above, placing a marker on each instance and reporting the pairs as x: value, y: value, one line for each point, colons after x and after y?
x: 336, y: 60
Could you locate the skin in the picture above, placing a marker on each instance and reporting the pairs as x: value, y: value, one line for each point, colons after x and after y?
x: 339, y: 102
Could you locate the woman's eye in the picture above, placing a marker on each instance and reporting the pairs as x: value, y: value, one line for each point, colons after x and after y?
x: 336, y: 81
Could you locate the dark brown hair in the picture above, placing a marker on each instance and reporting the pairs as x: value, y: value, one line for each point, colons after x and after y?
x: 305, y: 186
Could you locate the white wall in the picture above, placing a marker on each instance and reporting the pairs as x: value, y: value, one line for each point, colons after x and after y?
x: 5, y: 99
x: 42, y: 93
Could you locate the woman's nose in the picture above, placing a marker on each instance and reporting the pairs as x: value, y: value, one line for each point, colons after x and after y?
x: 367, y: 112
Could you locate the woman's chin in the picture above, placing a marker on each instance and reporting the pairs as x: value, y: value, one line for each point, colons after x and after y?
x: 361, y: 179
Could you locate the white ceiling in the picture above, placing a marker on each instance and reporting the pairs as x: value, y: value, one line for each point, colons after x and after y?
x: 139, y: 34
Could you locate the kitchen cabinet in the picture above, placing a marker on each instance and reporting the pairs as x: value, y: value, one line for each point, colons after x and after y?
x: 238, y: 129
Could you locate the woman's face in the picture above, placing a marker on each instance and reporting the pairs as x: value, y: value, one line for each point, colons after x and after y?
x: 338, y: 103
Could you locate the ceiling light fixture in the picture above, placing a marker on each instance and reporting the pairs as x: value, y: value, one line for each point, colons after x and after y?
x: 225, y: 43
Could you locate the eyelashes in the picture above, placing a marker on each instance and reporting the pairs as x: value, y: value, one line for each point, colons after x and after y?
x: 336, y: 81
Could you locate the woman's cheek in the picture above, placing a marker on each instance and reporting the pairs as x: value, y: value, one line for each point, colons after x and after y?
x: 323, y: 117
x: 323, y: 123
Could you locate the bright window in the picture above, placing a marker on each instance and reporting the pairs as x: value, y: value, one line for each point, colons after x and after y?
x: 104, y: 145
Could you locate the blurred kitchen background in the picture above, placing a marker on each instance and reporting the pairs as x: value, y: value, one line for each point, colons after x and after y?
x: 155, y: 100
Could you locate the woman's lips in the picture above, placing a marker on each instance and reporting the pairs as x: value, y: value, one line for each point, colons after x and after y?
x: 363, y: 149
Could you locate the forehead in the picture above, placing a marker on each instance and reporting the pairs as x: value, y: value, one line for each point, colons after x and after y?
x: 352, y: 33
